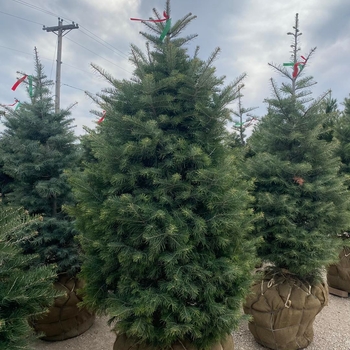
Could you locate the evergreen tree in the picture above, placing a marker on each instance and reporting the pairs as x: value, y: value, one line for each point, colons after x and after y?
x: 36, y: 148
x: 5, y: 181
x: 245, y: 119
x: 298, y: 189
x: 162, y: 210
x: 25, y: 289
x: 329, y: 106
x: 342, y: 134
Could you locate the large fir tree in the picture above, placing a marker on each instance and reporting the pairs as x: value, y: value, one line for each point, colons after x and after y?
x: 25, y: 289
x: 36, y: 148
x: 298, y: 188
x: 162, y: 209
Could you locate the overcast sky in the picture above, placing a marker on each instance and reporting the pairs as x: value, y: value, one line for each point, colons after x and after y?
x: 250, y: 33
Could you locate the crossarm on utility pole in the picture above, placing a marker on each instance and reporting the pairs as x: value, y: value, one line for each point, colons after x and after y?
x: 60, y: 28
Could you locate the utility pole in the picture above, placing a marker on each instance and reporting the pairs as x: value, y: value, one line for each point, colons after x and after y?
x: 59, y: 30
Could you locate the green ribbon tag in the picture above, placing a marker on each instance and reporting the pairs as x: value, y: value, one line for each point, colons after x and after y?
x: 166, y: 29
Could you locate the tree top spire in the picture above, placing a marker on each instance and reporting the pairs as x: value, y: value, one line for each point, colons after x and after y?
x: 295, y: 43
x: 297, y: 62
x: 163, y: 27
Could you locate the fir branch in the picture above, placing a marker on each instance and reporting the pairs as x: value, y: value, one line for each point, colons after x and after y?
x: 211, y: 59
x: 150, y: 60
x: 181, y: 24
x: 279, y: 97
x: 94, y: 97
x: 317, y: 102
x: 181, y: 41
x: 205, y: 73
x: 136, y: 56
x: 103, y: 73
x: 196, y: 52
x: 153, y: 26
x: 158, y: 15
x: 304, y: 83
x: 282, y: 70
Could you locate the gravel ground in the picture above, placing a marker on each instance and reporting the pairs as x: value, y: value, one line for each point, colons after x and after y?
x: 331, y: 327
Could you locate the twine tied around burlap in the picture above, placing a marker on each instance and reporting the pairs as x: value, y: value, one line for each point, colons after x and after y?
x: 338, y: 275
x: 283, y: 310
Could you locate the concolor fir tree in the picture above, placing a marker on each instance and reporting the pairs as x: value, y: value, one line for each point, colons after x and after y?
x: 304, y: 205
x: 36, y: 148
x: 25, y: 288
x: 338, y: 273
x: 162, y: 210
x: 298, y: 188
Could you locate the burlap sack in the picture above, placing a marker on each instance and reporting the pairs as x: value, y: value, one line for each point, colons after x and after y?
x: 283, y: 310
x: 65, y: 319
x: 124, y: 343
x: 338, y: 275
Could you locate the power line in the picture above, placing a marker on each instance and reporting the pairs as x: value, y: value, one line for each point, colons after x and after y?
x: 74, y: 87
x: 94, y: 36
x: 98, y: 55
x: 48, y: 59
x: 38, y: 8
x: 81, y: 27
x: 35, y: 7
x: 23, y: 19
x: 110, y: 47
x: 26, y: 53
x: 69, y: 65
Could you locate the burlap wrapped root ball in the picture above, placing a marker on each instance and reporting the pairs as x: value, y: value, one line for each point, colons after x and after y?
x: 283, y: 311
x: 124, y: 343
x: 65, y: 319
x: 338, y: 275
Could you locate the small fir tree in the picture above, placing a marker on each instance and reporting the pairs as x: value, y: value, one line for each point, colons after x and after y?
x: 36, y: 148
x: 25, y: 289
x: 162, y: 209
x: 244, y: 121
x: 298, y: 189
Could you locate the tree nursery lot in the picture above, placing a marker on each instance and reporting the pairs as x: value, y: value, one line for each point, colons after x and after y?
x: 332, y: 328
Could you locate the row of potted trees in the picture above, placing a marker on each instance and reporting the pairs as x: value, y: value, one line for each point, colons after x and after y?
x: 161, y: 205
x: 36, y: 147
x: 171, y: 219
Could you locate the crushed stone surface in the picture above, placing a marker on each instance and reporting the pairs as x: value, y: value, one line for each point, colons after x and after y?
x: 331, y: 328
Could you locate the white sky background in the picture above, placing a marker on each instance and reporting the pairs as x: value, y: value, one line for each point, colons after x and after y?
x: 250, y: 33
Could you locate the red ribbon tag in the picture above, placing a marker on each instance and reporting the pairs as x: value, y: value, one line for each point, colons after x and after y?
x: 152, y: 20
x: 296, y: 65
x: 19, y: 81
x: 11, y: 105
x: 102, y: 118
